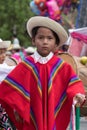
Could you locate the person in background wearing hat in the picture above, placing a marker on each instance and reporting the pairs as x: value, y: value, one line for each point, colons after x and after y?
x: 42, y: 88
x: 5, y: 122
x: 18, y: 52
x: 30, y: 50
x: 3, y: 48
x: 4, y: 67
x: 15, y: 39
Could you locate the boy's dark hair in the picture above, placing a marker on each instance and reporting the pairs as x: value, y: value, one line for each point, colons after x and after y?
x: 34, y: 32
x: 65, y: 47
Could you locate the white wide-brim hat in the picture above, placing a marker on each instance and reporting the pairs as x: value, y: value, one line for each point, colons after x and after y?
x: 41, y: 21
x: 16, y: 46
x: 30, y: 49
x: 4, y: 44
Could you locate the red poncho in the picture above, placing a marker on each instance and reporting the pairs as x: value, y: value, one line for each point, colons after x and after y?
x: 41, y: 94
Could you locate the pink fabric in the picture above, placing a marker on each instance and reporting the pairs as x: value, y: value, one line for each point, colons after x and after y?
x: 79, y: 36
x: 77, y: 44
x: 17, y: 57
x: 76, y: 47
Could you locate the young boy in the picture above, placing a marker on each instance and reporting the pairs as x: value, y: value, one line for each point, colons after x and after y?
x: 41, y: 89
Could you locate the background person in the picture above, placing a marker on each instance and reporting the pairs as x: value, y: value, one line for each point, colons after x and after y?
x: 29, y: 50
x: 5, y: 122
x: 4, y: 67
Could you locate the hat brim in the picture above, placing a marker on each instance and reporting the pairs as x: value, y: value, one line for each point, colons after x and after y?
x: 30, y: 50
x: 5, y: 44
x: 16, y: 46
x: 42, y: 21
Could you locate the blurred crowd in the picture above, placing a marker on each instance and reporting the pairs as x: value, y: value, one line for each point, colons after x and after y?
x: 10, y: 56
x: 15, y: 51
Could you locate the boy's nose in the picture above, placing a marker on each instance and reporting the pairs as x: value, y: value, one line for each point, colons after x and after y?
x: 45, y: 40
x: 3, y: 54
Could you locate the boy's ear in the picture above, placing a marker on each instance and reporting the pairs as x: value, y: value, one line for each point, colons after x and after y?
x: 56, y: 45
x: 33, y: 41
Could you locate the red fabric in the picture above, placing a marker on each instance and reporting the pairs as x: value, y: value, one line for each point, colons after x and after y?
x: 46, y: 84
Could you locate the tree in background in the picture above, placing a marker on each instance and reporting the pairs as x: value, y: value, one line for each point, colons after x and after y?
x: 13, y: 17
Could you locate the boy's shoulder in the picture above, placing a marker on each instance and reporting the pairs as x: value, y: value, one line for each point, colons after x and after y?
x: 69, y: 60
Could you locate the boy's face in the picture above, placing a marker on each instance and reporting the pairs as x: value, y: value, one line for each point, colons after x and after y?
x: 44, y: 41
x: 2, y: 55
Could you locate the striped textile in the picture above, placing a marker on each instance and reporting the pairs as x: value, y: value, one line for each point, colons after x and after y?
x: 40, y: 94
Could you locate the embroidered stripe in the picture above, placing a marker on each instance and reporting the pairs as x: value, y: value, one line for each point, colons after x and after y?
x: 54, y: 71
x: 60, y: 103
x: 18, y: 87
x: 33, y: 118
x: 34, y: 70
x: 54, y: 127
x: 74, y: 79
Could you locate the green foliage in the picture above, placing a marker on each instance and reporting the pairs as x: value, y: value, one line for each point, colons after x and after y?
x: 13, y: 17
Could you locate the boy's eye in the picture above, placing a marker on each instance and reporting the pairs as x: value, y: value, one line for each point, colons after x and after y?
x: 50, y: 38
x: 40, y: 37
x: 2, y: 51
